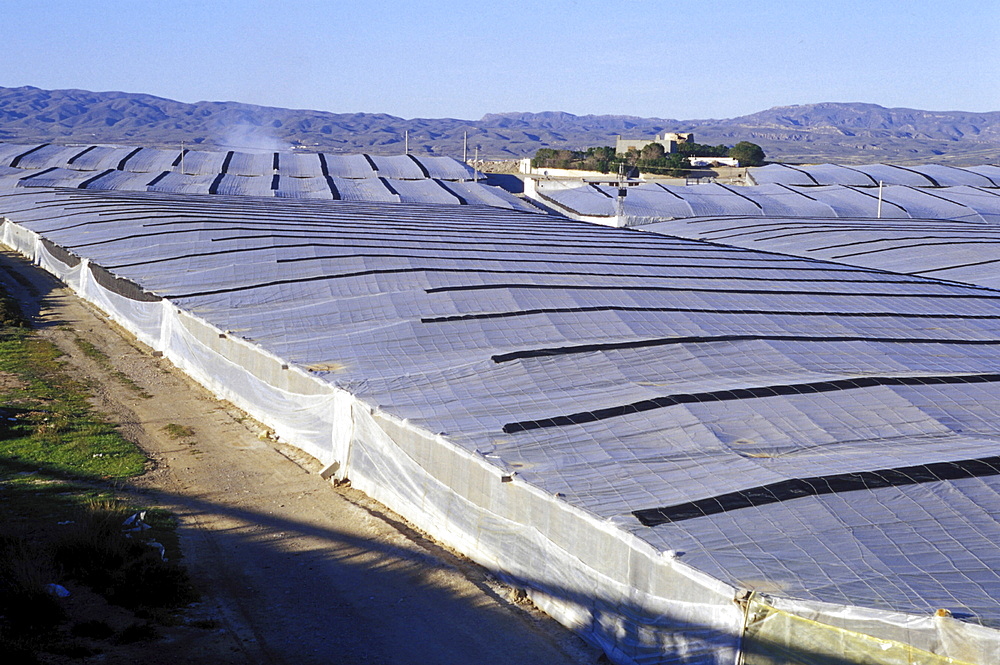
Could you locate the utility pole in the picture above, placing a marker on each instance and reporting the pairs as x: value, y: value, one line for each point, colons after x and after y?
x: 879, y: 214
x: 406, y: 142
x: 182, y: 156
x: 465, y: 148
x: 475, y: 167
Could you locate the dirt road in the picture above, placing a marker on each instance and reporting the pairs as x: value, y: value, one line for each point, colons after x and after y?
x: 296, y: 570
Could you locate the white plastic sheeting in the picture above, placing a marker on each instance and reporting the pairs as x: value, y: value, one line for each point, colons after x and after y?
x: 249, y: 163
x: 869, y: 175
x: 397, y: 167
x: 299, y: 165
x: 951, y: 250
x: 348, y: 166
x: 632, y: 426
x: 9, y: 152
x: 444, y: 168
x: 153, y: 160
x: 653, y: 202
x: 242, y: 173
x: 101, y: 158
x: 48, y: 156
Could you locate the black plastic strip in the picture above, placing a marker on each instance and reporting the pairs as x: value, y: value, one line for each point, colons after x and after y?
x: 89, y: 181
x: 667, y: 341
x: 419, y: 166
x: 797, y: 488
x: 371, y: 162
x: 329, y: 182
x: 275, y: 180
x: 214, y: 187
x: 742, y: 394
x: 39, y: 173
x: 692, y: 310
x: 324, y: 167
x: 79, y: 155
x: 17, y: 160
x: 225, y: 163
x: 121, y: 164
x: 639, y: 287
x: 274, y: 165
x: 158, y: 178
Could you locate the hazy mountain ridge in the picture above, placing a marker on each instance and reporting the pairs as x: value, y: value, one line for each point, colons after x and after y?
x: 842, y: 132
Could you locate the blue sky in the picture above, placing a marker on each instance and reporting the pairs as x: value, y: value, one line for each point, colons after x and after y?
x: 677, y: 59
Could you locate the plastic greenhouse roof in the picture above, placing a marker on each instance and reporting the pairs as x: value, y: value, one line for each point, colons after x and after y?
x: 945, y: 249
x: 420, y: 179
x: 652, y: 202
x: 822, y: 430
x: 869, y: 175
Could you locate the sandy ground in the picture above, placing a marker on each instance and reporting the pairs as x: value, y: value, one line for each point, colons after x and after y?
x: 293, y: 569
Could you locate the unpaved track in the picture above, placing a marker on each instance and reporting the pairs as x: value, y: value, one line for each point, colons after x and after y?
x: 296, y: 570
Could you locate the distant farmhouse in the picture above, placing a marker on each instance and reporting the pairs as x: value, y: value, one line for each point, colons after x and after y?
x: 668, y: 140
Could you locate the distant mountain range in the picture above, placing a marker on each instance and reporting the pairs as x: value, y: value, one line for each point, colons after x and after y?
x: 828, y: 132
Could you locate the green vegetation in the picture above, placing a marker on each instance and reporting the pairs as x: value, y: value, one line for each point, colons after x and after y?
x: 175, y: 431
x: 651, y: 159
x: 61, y: 522
x: 749, y: 154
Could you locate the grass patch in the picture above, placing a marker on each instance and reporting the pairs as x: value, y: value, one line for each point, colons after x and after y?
x: 104, y: 361
x: 175, y: 431
x: 60, y: 520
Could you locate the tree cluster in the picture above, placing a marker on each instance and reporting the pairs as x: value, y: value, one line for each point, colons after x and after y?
x: 653, y: 158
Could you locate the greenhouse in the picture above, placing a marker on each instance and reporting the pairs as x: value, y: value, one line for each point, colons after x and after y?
x: 283, y: 174
x: 687, y: 451
x: 652, y: 202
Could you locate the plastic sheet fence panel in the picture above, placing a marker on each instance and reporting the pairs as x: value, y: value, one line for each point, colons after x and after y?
x: 348, y: 166
x: 444, y: 168
x: 397, y: 167
x: 634, y: 426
